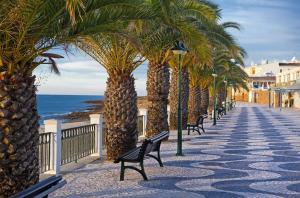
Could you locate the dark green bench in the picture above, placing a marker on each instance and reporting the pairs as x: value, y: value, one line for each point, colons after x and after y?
x: 42, y: 189
x: 138, y: 154
x: 197, y: 126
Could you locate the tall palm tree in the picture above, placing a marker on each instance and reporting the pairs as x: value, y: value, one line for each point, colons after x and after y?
x: 27, y: 32
x: 197, y: 42
x: 174, y: 97
x: 158, y: 85
x: 169, y: 17
x: 29, y: 29
x: 156, y: 44
x: 194, y: 96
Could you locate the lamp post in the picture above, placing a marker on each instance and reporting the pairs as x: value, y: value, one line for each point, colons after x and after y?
x: 230, y: 86
x: 225, y: 81
x: 215, y: 102
x: 269, y: 97
x: 179, y: 50
x: 280, y: 99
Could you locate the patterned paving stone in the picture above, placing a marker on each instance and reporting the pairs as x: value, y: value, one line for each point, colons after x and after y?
x: 252, y: 152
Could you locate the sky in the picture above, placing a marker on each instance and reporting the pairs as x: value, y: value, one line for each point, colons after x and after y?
x: 270, y: 30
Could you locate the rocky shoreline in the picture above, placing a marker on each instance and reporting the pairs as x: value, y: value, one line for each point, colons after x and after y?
x: 96, y: 106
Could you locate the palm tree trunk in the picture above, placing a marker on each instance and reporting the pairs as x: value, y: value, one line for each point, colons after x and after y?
x: 174, y: 98
x: 19, y: 135
x: 221, y: 96
x: 120, y: 114
x: 194, y: 104
x: 158, y: 85
x: 204, y: 104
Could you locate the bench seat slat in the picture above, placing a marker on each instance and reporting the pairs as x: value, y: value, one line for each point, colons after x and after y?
x: 44, y: 187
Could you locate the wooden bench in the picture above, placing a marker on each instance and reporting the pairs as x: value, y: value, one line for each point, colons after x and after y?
x: 138, y: 154
x: 197, y: 126
x: 42, y: 189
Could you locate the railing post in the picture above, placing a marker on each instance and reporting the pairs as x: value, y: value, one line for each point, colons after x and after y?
x: 54, y: 127
x: 144, y: 112
x: 97, y: 119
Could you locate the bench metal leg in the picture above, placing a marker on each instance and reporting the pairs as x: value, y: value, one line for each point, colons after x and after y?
x: 188, y: 130
x: 158, y: 159
x: 122, y: 171
x: 142, y: 171
x: 202, y: 128
x: 198, y: 131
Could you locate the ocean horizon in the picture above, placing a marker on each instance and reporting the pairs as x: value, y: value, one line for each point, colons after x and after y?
x: 53, y: 106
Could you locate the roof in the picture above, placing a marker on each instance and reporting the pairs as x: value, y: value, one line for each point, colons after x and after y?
x: 263, y: 78
x: 289, y: 64
x: 294, y: 87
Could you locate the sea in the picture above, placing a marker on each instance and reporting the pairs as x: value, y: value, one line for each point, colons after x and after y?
x: 53, y: 106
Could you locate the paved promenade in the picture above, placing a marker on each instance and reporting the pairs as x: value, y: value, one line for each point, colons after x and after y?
x: 253, y: 152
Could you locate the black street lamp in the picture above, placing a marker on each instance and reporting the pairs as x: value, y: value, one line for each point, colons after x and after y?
x: 179, y: 50
x: 225, y: 81
x: 215, y: 100
x: 269, y: 97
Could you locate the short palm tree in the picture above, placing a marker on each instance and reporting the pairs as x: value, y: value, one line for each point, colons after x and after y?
x: 120, y: 58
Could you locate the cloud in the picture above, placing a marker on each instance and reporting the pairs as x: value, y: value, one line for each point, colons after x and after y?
x: 271, y: 31
x: 270, y: 27
x: 82, y: 77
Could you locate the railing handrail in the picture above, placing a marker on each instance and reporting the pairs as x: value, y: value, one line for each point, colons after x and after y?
x: 74, y: 128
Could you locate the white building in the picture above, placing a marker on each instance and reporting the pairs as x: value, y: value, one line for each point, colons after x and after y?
x: 270, y: 75
x: 288, y: 82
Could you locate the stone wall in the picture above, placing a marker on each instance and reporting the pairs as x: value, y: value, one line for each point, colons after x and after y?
x: 262, y: 97
x: 242, y: 96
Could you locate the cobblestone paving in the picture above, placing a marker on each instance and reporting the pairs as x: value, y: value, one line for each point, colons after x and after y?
x: 252, y: 152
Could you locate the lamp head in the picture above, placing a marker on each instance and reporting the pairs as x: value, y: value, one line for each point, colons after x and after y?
x: 179, y: 48
x: 214, y: 75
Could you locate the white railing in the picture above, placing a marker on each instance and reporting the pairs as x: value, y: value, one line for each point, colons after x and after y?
x: 54, y: 152
x: 55, y: 147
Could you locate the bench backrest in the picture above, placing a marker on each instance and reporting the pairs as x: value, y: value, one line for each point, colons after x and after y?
x: 200, y: 120
x: 41, y: 189
x: 146, y: 148
x: 156, y: 140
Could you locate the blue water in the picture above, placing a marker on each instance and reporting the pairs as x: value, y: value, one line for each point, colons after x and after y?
x: 52, y: 106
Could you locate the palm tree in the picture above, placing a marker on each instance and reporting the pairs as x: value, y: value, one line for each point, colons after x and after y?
x: 195, y: 13
x: 174, y: 97
x: 233, y: 73
x: 29, y: 29
x: 120, y: 58
x: 166, y: 29
x: 156, y: 44
x: 158, y: 85
x: 27, y: 32
x: 195, y: 95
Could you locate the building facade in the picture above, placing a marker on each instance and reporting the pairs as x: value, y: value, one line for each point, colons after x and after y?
x: 268, y: 83
x: 288, y: 88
